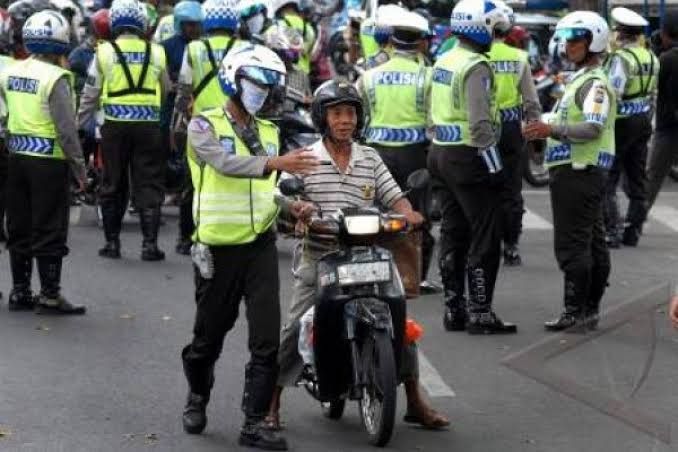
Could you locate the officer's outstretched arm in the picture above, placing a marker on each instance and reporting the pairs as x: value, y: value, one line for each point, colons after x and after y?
x: 594, y: 101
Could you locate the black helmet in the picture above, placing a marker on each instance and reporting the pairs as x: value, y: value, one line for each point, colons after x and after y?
x: 332, y: 93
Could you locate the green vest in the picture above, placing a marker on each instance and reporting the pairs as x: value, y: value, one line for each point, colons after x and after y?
x: 369, y: 45
x: 397, y: 92
x: 449, y: 111
x: 507, y: 63
x: 131, y: 89
x: 205, y: 55
x: 165, y: 29
x: 308, y: 35
x: 232, y: 210
x: 598, y: 152
x: 27, y: 85
x: 641, y: 81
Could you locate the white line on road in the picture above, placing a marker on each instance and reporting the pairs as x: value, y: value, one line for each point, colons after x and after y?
x: 533, y: 221
x: 431, y: 380
x: 74, y: 215
x: 668, y: 216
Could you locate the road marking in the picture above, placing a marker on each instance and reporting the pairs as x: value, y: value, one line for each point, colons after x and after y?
x: 668, y: 216
x: 74, y: 215
x: 533, y: 221
x: 431, y: 380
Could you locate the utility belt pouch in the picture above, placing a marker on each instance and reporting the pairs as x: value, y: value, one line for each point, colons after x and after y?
x: 203, y: 260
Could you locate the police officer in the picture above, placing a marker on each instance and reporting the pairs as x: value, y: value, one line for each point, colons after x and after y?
x: 188, y: 17
x: 515, y: 95
x: 289, y: 13
x: 633, y: 71
x: 128, y: 77
x: 253, y: 19
x: 397, y: 94
x: 42, y: 140
x: 375, y: 36
x: 233, y: 159
x: 579, y: 152
x: 5, y: 60
x: 466, y: 164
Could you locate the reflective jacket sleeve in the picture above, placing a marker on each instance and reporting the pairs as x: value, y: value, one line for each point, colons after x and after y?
x: 478, y: 91
x: 63, y: 115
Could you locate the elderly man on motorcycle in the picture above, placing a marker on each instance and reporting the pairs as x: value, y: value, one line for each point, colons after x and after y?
x: 348, y: 175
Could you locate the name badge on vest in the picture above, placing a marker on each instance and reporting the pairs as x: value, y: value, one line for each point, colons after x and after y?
x: 228, y: 144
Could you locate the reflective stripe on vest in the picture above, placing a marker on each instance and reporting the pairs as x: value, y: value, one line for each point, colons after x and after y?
x: 599, y: 152
x: 27, y: 85
x: 232, y: 210
x: 131, y: 85
x: 397, y: 98
x: 449, y: 108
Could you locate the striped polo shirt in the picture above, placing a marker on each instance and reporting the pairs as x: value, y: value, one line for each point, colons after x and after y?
x: 366, y: 182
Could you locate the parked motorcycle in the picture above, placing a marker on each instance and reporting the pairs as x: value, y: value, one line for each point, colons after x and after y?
x: 359, y: 315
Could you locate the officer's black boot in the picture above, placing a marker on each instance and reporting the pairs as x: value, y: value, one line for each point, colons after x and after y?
x: 200, y: 384
x: 572, y: 318
x: 512, y: 256
x: 50, y: 300
x: 21, y: 298
x: 453, y: 275
x: 631, y: 235
x: 111, y: 219
x: 599, y: 282
x: 427, y: 287
x: 150, y: 223
x: 481, y: 318
x: 259, y: 385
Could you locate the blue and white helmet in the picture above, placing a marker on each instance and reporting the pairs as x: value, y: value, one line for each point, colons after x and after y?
x: 475, y: 20
x: 220, y: 15
x: 254, y: 62
x: 129, y: 14
x: 47, y: 32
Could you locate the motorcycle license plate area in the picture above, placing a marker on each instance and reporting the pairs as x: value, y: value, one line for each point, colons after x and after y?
x: 364, y: 273
x: 362, y: 224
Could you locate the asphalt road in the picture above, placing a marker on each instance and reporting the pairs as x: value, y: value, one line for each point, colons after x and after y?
x: 112, y: 380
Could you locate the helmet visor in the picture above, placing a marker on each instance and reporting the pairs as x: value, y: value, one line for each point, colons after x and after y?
x: 573, y: 34
x: 262, y: 76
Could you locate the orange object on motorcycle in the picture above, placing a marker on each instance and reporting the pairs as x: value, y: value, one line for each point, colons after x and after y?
x: 413, y: 331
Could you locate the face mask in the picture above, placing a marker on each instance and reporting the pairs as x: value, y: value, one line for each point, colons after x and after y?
x: 253, y: 97
x: 255, y: 24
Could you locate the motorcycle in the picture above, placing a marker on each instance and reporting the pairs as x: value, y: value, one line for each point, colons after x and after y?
x: 359, y: 315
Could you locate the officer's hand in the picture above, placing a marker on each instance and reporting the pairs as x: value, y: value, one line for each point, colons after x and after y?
x: 299, y: 161
x: 302, y: 210
x: 536, y: 130
x: 414, y: 218
x: 673, y: 311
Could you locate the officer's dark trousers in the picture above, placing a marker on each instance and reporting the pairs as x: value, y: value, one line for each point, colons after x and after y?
x: 631, y: 136
x: 243, y: 271
x: 186, y: 224
x: 130, y: 148
x: 401, y: 162
x: 470, y: 232
x: 37, y: 206
x: 579, y: 235
x: 664, y: 154
x: 511, y: 148
x: 3, y: 184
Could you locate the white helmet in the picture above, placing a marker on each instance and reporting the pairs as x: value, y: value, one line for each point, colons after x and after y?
x: 624, y: 17
x: 505, y: 17
x: 285, y: 41
x: 585, y: 24
x: 253, y: 62
x: 475, y: 20
x: 129, y: 14
x: 276, y: 5
x: 47, y: 32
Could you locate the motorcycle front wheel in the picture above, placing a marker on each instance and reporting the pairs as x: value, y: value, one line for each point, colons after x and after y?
x: 378, y: 403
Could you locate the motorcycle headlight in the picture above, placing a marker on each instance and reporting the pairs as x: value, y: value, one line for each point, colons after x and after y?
x: 362, y: 224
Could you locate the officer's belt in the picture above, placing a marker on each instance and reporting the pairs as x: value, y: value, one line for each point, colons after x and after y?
x: 511, y: 114
x: 563, y: 152
x: 393, y: 135
x: 32, y: 144
x: 132, y: 112
x: 448, y: 134
x: 635, y: 106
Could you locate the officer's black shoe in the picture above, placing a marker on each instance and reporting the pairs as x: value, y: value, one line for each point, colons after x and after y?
x: 150, y: 222
x: 150, y: 252
x: 567, y: 321
x: 488, y: 323
x: 429, y: 288
x: 21, y: 300
x: 111, y: 249
x: 592, y: 319
x: 512, y: 256
x: 259, y: 436
x: 195, y: 416
x: 612, y: 241
x: 631, y: 236
x: 58, y: 306
x: 454, y: 319
x: 184, y: 246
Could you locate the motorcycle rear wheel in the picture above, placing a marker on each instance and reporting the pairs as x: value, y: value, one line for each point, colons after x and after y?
x: 378, y: 403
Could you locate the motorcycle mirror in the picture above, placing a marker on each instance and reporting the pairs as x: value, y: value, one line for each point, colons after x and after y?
x: 292, y: 186
x: 418, y: 179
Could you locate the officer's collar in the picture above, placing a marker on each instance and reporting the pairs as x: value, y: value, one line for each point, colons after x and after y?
x: 405, y: 54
